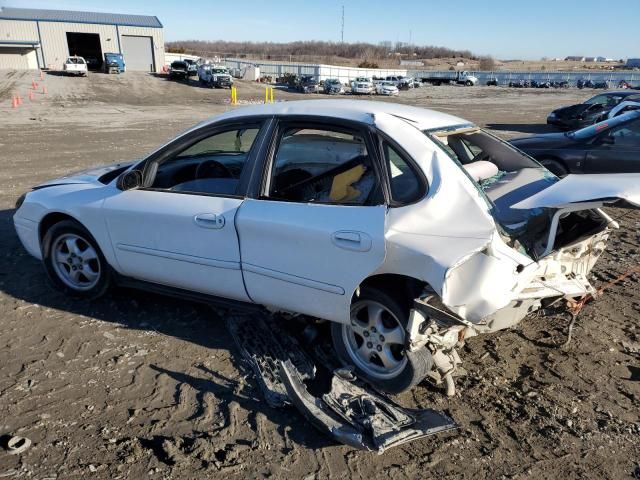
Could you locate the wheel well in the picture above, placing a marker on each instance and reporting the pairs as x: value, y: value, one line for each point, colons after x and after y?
x: 50, y: 220
x: 402, y: 288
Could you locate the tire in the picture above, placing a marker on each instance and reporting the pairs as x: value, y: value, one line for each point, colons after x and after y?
x: 469, y: 83
x: 554, y: 166
x: 84, y: 273
x: 358, y: 344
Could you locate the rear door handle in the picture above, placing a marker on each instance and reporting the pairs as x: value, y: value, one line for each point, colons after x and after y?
x: 209, y: 220
x: 351, y: 240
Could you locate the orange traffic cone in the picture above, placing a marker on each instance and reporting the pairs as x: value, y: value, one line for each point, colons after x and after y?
x: 34, y: 85
x: 14, y: 102
x: 31, y: 95
x: 19, y: 100
x: 41, y: 75
x: 44, y: 89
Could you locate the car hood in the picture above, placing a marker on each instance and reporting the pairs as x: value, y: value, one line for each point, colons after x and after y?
x: 91, y: 175
x: 571, y: 110
x: 544, y: 140
x: 615, y: 189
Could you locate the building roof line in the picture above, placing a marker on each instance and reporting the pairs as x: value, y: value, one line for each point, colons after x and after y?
x: 68, y: 16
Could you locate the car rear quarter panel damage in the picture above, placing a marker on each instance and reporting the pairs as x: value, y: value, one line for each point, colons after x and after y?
x: 448, y: 239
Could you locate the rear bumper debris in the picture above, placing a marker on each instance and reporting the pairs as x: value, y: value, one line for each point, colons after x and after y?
x: 358, y: 416
x: 351, y: 412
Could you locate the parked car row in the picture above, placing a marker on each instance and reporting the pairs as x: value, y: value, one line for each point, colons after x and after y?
x: 79, y: 66
x: 601, y: 135
x: 580, y: 84
x: 389, y: 86
x: 208, y: 74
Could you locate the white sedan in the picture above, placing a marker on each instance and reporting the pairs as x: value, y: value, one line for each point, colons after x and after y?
x: 387, y: 88
x: 408, y: 229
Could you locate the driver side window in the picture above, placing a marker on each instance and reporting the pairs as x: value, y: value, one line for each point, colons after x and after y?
x: 212, y: 165
x: 323, y: 165
x: 626, y: 134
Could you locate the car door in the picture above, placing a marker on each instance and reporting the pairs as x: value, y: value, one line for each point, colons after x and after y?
x: 316, y: 230
x: 178, y: 230
x: 616, y: 150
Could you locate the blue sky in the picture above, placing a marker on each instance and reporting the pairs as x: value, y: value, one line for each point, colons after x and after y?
x: 506, y: 29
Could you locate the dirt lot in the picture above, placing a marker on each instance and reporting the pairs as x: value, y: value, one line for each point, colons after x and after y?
x: 135, y: 385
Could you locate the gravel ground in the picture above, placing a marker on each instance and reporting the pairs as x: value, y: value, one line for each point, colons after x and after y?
x: 137, y: 385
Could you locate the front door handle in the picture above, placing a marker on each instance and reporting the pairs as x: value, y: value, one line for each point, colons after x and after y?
x: 209, y: 220
x: 351, y: 240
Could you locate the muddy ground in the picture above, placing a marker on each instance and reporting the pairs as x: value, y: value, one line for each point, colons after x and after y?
x: 136, y: 385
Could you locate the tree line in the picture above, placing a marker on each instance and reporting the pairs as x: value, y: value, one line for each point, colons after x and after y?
x: 300, y: 49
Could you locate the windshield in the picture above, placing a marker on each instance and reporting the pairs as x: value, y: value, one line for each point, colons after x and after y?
x: 605, y: 99
x: 219, y: 70
x: 592, y: 130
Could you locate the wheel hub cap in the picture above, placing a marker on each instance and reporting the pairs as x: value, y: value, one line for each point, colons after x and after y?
x: 375, y: 340
x: 75, y: 262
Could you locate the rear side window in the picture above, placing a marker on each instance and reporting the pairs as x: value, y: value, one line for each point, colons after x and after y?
x: 405, y: 184
x: 323, y: 165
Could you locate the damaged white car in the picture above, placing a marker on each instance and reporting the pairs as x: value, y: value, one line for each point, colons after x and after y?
x: 409, y: 229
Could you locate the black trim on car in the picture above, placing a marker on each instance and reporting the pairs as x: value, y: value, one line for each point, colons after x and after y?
x: 128, y: 282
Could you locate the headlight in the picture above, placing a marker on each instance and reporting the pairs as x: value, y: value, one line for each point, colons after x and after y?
x: 20, y: 200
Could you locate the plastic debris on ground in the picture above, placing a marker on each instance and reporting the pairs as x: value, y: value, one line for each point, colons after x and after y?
x: 350, y: 411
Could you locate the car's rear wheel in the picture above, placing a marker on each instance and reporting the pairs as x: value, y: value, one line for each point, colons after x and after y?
x: 555, y: 167
x: 73, y: 261
x: 374, y: 343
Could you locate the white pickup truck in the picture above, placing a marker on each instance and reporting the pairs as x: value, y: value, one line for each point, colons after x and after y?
x: 75, y: 66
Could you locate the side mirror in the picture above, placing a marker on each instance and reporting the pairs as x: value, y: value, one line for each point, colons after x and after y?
x: 129, y: 180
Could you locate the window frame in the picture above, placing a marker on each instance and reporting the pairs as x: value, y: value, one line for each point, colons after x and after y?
x: 195, y: 135
x: 413, y: 165
x: 320, y: 123
x: 608, y: 132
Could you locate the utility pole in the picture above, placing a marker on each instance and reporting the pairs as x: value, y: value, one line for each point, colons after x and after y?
x: 342, y: 29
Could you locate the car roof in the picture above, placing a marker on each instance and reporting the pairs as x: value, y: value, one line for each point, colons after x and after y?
x: 621, y: 93
x: 363, y: 111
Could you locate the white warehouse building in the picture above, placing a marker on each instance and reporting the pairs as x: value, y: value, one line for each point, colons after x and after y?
x: 32, y: 39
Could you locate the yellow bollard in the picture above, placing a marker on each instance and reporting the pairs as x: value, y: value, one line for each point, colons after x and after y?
x: 271, y: 88
x: 234, y: 96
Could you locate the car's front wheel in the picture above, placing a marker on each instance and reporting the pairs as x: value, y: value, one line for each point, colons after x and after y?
x: 73, y: 261
x: 374, y: 343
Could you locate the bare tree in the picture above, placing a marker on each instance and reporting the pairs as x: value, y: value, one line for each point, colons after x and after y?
x: 487, y: 63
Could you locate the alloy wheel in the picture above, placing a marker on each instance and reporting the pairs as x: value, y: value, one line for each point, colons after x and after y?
x: 75, y: 262
x: 375, y: 340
